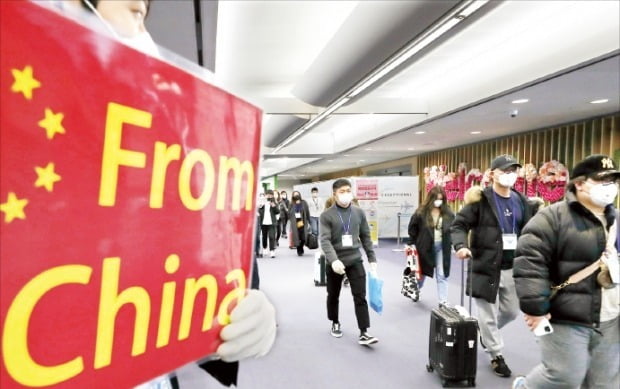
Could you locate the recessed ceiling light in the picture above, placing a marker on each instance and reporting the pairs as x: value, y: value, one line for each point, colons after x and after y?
x: 420, y: 132
x: 362, y: 160
x: 475, y: 132
x: 368, y: 149
x: 520, y: 101
x: 410, y: 148
x: 347, y: 155
x: 601, y: 101
x: 330, y: 160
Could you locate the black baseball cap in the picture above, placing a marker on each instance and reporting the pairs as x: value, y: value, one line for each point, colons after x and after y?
x: 503, y: 162
x: 596, y: 166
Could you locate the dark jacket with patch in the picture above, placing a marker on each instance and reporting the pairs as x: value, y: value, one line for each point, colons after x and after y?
x: 422, y: 235
x: 479, y: 216
x: 559, y: 241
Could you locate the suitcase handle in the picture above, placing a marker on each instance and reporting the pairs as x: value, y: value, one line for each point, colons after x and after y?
x: 470, y: 274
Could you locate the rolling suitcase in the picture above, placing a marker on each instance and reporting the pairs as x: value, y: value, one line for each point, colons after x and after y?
x: 319, y: 269
x: 453, y: 342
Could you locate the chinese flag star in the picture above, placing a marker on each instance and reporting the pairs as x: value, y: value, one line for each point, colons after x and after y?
x: 46, y: 177
x: 52, y: 123
x: 13, y: 208
x: 24, y: 82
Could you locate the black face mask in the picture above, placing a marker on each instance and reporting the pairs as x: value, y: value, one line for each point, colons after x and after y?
x: 269, y: 198
x: 296, y: 198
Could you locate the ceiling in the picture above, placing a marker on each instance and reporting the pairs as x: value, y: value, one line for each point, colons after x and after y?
x: 298, y: 59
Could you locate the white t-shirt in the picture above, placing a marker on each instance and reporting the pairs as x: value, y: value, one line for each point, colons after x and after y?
x: 267, y: 215
x: 316, y: 206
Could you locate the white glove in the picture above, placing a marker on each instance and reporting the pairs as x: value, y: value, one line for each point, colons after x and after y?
x: 252, y: 328
x: 373, y: 268
x: 338, y: 267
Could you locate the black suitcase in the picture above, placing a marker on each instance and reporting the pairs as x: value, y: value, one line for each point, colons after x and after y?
x: 319, y: 270
x: 453, y: 344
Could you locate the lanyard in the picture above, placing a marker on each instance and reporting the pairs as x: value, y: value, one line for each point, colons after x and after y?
x: 345, y: 228
x: 502, y: 217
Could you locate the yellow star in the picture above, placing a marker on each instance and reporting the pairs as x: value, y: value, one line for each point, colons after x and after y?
x: 24, y: 82
x: 52, y: 123
x: 46, y: 177
x: 13, y: 208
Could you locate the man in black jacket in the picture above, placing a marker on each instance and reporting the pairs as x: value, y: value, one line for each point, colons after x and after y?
x: 561, y: 240
x: 495, y: 216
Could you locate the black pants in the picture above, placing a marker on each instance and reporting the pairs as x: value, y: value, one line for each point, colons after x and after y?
x: 283, y: 220
x: 278, y: 231
x: 302, y: 241
x: 357, y: 280
x: 269, y: 231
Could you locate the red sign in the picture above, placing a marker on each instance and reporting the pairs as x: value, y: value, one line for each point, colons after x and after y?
x: 367, y: 189
x: 127, y: 207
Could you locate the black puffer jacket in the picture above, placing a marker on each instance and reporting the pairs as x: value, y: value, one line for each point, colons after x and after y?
x: 480, y: 216
x: 422, y: 236
x: 559, y: 241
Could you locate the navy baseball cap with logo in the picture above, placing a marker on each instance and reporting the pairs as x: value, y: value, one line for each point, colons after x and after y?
x: 504, y: 161
x: 597, y: 166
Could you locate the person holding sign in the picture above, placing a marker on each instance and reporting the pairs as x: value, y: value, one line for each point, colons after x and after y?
x: 252, y: 328
x: 344, y: 230
x: 566, y: 271
x: 495, y: 216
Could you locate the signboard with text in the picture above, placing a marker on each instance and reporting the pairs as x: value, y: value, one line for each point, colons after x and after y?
x: 127, y: 194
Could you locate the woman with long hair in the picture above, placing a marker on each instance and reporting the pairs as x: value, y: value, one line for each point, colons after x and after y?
x: 429, y: 230
x: 299, y: 215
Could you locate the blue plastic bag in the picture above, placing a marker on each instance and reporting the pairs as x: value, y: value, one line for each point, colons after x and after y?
x: 375, y: 293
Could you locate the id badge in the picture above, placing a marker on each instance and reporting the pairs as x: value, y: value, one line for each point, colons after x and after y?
x: 297, y: 215
x: 347, y: 240
x: 510, y: 241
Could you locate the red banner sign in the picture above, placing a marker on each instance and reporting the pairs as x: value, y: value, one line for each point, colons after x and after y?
x: 127, y: 207
x: 367, y: 189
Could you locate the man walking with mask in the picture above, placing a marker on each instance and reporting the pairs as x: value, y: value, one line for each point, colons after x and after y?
x: 316, y: 208
x: 570, y: 241
x: 495, y: 216
x: 344, y: 230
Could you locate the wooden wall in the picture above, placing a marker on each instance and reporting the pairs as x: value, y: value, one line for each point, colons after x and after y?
x: 568, y: 144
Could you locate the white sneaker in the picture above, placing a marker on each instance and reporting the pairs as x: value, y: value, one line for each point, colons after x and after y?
x: 366, y: 339
x: 273, y: 254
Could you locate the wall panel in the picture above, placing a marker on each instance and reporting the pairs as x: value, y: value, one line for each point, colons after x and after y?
x: 568, y: 144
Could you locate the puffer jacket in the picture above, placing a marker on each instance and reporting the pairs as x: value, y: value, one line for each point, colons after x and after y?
x: 422, y: 236
x: 480, y: 216
x: 559, y: 241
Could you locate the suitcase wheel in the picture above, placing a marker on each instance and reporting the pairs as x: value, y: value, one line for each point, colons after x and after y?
x: 429, y: 368
x: 471, y: 382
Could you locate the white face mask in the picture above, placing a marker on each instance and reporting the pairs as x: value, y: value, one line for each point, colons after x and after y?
x: 603, y: 194
x: 507, y: 179
x: 142, y: 42
x: 437, y: 203
x: 345, y: 198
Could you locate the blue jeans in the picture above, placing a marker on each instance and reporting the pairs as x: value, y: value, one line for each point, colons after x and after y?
x: 314, y: 225
x: 440, y: 278
x: 578, y: 357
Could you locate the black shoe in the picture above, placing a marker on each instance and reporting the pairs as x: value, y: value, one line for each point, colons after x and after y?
x: 499, y: 367
x: 366, y: 339
x: 336, y: 332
